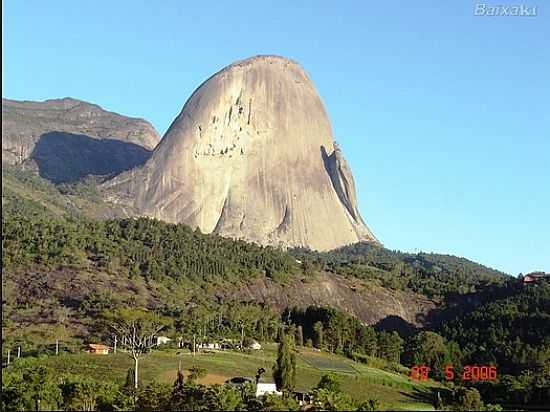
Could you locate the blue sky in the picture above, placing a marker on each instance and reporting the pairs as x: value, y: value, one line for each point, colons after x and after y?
x: 444, y: 116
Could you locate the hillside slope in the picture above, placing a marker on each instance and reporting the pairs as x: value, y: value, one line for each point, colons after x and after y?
x: 160, y: 264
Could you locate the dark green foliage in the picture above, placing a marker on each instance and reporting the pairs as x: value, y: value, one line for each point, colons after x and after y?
x: 138, y: 247
x: 467, y: 399
x: 227, y: 320
x: 506, y: 330
x: 154, y: 397
x: 222, y: 398
x: 330, y: 382
x: 193, y: 397
x: 284, y: 371
x: 369, y: 405
x: 338, y: 332
x: 318, y: 334
x: 26, y: 386
x: 328, y: 328
x: 511, y: 331
x: 390, y: 346
x: 276, y: 403
x: 428, y: 348
x: 86, y: 394
x: 196, y: 373
x: 327, y: 400
x: 30, y: 387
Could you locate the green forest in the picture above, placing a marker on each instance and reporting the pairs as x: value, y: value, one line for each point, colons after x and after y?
x: 172, y: 273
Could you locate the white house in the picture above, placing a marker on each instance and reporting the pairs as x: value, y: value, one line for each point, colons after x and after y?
x: 255, y: 345
x: 161, y: 340
x: 266, y: 388
x: 209, y: 346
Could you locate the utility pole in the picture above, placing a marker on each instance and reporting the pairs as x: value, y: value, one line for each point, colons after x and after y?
x: 57, y: 347
x: 18, y: 352
x: 242, y: 336
x: 194, y: 349
x: 9, y: 355
x: 114, y: 349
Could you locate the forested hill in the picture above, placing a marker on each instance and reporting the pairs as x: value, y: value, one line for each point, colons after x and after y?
x: 510, y: 326
x: 156, y: 250
x: 511, y: 330
x: 136, y: 247
x: 53, y: 233
x: 433, y: 275
x: 33, y: 205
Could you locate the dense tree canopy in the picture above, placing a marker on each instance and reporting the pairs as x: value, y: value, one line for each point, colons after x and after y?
x: 143, y: 247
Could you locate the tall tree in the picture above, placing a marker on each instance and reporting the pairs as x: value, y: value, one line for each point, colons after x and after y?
x: 318, y: 334
x: 40, y: 382
x: 284, y: 371
x: 299, y: 336
x: 390, y: 346
x: 427, y: 348
x: 136, y: 329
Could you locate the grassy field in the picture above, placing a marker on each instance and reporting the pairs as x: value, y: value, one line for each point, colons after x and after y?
x: 394, y: 391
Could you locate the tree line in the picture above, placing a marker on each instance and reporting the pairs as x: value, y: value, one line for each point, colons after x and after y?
x: 137, y: 247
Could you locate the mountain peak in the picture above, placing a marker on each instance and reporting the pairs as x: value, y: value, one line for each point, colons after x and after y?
x: 66, y: 139
x: 251, y: 155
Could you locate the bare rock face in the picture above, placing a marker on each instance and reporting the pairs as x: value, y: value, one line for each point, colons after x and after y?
x: 252, y: 156
x: 66, y: 139
x: 371, y: 304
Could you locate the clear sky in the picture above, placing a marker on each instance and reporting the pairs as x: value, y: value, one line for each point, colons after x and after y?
x: 444, y: 116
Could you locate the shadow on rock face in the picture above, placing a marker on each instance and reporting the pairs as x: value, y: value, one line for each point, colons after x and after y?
x: 395, y: 323
x: 66, y: 157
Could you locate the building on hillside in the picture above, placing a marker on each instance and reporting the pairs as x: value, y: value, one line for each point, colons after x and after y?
x: 161, y: 340
x: 534, y: 277
x: 209, y: 345
x: 229, y: 344
x: 97, y: 349
x: 254, y: 345
x: 303, y: 398
x: 267, y: 388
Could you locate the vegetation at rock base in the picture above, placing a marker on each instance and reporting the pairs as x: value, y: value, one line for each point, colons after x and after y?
x: 136, y: 247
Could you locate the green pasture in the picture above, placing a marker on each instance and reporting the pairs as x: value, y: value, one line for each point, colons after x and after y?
x: 393, y: 390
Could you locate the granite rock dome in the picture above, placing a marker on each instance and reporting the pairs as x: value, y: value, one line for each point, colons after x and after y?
x: 252, y: 156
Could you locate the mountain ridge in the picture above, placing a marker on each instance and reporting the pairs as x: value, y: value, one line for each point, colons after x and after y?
x: 67, y: 139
